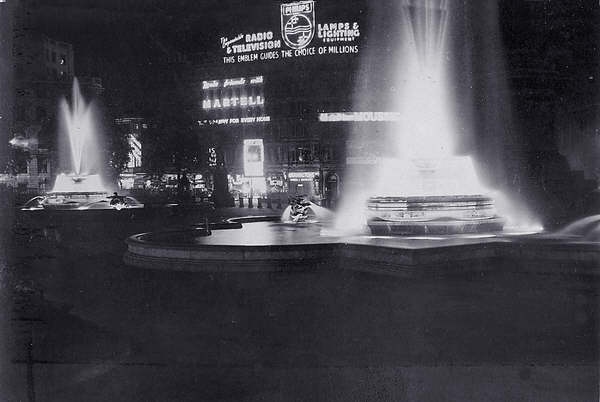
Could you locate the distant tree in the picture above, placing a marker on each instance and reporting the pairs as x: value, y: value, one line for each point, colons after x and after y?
x: 117, y: 150
x: 171, y: 146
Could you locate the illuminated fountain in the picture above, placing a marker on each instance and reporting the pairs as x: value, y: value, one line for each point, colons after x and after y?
x: 80, y: 188
x: 427, y: 188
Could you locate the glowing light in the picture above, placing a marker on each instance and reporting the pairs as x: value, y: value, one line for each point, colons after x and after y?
x: 78, y: 184
x: 425, y: 164
x: 253, y: 157
x: 21, y: 142
x: 78, y: 119
x: 359, y: 116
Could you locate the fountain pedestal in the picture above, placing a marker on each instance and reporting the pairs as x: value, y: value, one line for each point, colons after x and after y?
x: 433, y: 215
x: 432, y: 196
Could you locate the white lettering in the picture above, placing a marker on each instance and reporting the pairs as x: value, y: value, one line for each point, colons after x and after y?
x: 309, y: 51
x: 247, y: 57
x: 210, y: 84
x: 295, y: 8
x: 255, y: 46
x: 359, y: 116
x: 233, y: 102
x: 230, y: 82
x: 338, y: 32
x: 236, y: 120
x: 260, y: 36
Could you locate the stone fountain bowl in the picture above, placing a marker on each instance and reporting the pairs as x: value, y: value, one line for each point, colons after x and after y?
x: 440, y: 215
x: 81, y: 201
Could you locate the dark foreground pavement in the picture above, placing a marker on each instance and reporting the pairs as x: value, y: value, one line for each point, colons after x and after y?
x: 88, y: 328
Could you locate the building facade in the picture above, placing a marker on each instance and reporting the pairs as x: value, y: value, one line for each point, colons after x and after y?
x: 43, y: 75
x: 271, y: 122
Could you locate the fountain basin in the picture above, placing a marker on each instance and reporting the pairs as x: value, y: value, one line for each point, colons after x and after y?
x: 273, y: 246
x: 80, y: 201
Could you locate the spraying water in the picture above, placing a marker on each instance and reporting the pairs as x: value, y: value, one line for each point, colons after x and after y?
x: 586, y: 228
x: 78, y: 119
x: 425, y: 180
x: 79, y: 127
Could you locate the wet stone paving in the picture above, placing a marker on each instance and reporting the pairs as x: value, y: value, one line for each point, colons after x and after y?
x: 88, y: 327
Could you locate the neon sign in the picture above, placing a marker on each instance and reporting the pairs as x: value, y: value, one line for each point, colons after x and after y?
x: 338, y: 32
x: 232, y: 82
x: 298, y: 30
x: 359, y: 116
x: 252, y: 42
x: 298, y: 23
x: 210, y: 84
x: 234, y: 101
x: 235, y: 120
x: 232, y: 93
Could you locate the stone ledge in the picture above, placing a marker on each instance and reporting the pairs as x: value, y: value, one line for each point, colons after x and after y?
x: 391, y: 258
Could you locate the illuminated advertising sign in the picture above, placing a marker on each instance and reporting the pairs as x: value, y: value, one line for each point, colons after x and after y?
x: 233, y: 93
x: 135, y: 152
x: 235, y: 120
x: 233, y: 101
x: 302, y: 176
x: 301, y: 35
x: 253, y: 158
x: 298, y: 23
x: 359, y: 116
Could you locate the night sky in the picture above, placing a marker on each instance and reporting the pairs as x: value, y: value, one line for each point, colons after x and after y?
x: 126, y: 42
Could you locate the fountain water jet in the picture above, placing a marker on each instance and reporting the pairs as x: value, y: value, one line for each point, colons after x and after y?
x: 78, y: 119
x: 80, y: 189
x: 426, y: 187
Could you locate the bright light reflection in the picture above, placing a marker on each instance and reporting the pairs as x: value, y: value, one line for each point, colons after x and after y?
x: 78, y: 119
x: 425, y: 162
x: 80, y: 129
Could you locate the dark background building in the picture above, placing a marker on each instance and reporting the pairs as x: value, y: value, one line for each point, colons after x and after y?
x: 527, y: 85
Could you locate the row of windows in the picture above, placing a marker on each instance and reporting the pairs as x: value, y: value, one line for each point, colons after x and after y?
x: 288, y: 154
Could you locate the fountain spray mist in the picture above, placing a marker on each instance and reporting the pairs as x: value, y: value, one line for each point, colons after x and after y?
x: 425, y: 163
x: 81, y: 153
x: 79, y: 127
